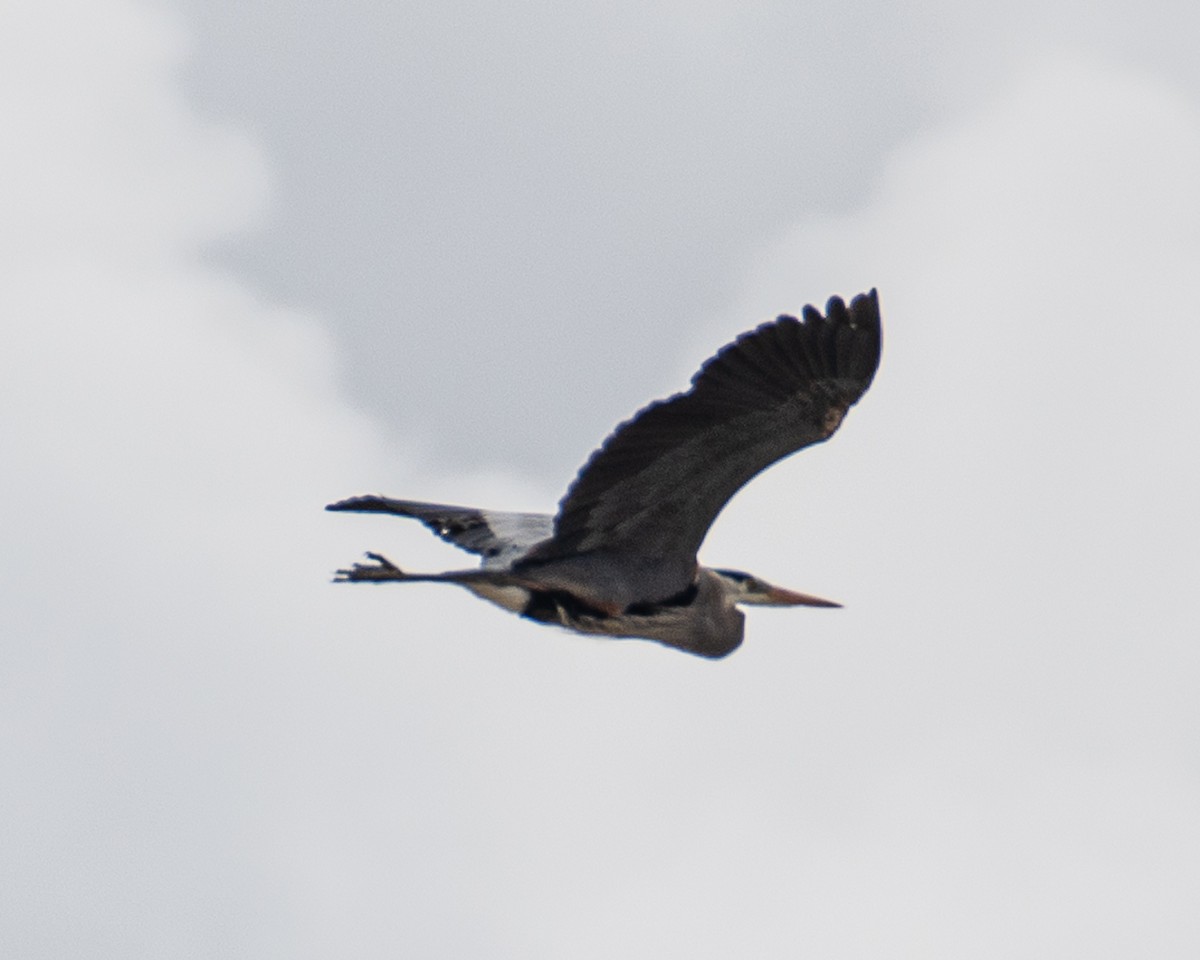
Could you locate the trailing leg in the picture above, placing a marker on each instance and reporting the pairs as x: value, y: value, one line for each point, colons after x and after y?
x: 381, y: 569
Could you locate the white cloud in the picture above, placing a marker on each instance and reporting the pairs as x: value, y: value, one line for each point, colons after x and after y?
x: 175, y: 734
x: 213, y: 751
x: 1011, y: 507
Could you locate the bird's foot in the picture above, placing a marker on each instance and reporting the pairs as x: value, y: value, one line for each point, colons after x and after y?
x: 379, y: 570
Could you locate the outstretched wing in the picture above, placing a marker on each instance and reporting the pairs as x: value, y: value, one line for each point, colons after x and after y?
x: 655, y: 486
x: 500, y: 538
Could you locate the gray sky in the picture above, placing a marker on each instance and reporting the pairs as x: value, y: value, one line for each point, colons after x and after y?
x: 261, y: 259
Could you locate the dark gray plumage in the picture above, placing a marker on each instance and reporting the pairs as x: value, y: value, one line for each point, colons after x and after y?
x: 619, y: 559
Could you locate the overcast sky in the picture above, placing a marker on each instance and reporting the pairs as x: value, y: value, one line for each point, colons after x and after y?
x: 263, y: 257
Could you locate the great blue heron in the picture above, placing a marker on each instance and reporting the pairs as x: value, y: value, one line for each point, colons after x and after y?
x: 619, y: 558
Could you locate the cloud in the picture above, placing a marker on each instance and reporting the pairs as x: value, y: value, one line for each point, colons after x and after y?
x: 170, y: 440
x: 211, y: 750
x: 1013, y: 505
x: 1033, y: 262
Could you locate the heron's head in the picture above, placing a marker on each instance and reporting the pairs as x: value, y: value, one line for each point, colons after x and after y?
x: 744, y: 588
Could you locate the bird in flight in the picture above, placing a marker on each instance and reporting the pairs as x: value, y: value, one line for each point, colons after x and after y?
x: 619, y: 557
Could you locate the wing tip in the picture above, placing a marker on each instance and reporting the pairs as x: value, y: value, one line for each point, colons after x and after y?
x: 864, y: 308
